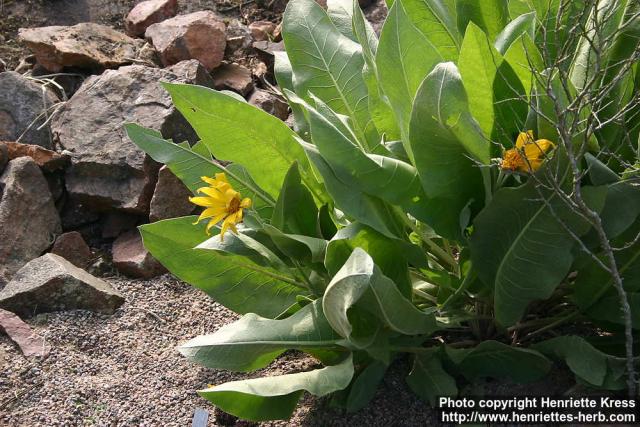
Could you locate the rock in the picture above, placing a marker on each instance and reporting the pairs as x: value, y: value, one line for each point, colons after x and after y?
x: 277, y: 33
x: 29, y: 220
x: 3, y: 66
x: 108, y: 171
x: 262, y: 30
x: 170, y: 198
x: 85, y: 45
x: 199, y: 35
x: 51, y: 283
x: 75, y: 215
x: 376, y: 14
x: 270, y: 103
x: 233, y: 77
x: 147, y: 13
x: 22, y: 104
x: 30, y: 344
x: 117, y: 223
x: 265, y: 50
x: 4, y: 157
x: 132, y: 259
x: 238, y: 40
x: 46, y: 159
x: 72, y: 247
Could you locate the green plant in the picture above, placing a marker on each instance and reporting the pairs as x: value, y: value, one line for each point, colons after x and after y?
x: 400, y: 217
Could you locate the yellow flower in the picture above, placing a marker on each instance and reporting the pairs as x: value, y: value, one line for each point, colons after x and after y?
x: 528, y: 153
x: 221, y: 203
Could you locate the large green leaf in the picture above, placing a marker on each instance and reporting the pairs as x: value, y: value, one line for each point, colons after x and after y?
x: 497, y: 98
x: 239, y: 132
x: 490, y: 15
x: 365, y: 386
x: 605, y: 19
x: 391, y: 255
x: 234, y: 281
x: 594, y: 291
x: 494, y: 359
x: 341, y: 14
x: 444, y: 137
x: 253, y: 342
x: 246, y: 246
x: 404, y: 57
x: 379, y: 108
x: 284, y: 76
x: 272, y: 398
x: 436, y: 22
x: 189, y: 166
x: 525, y: 59
x: 428, y: 379
x: 361, y: 283
x: 523, y: 24
x: 521, y: 245
x: 295, y: 211
x: 392, y: 180
x: 367, y: 209
x: 327, y: 63
x: 586, y: 362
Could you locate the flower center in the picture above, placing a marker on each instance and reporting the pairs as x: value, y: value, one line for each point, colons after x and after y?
x: 512, y: 159
x: 234, y: 205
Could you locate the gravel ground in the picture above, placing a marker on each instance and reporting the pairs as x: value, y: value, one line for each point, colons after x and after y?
x: 124, y: 370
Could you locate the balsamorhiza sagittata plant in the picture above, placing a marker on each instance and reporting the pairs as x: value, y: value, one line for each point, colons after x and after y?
x: 221, y: 203
x: 379, y: 226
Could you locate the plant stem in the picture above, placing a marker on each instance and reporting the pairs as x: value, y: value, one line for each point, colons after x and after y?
x: 435, y: 249
x: 468, y: 279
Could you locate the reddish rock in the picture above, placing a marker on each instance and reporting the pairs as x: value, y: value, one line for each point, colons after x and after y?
x: 46, y: 159
x: 72, y: 247
x: 30, y: 344
x: 199, y: 35
x: 233, y: 77
x: 132, y: 259
x: 170, y: 198
x: 262, y: 30
x: 270, y: 103
x: 85, y: 45
x: 147, y: 13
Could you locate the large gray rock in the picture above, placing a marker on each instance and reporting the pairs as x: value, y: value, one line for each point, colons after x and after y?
x: 22, y: 104
x: 199, y: 35
x: 85, y: 45
x: 29, y: 220
x: 51, y: 283
x: 108, y: 171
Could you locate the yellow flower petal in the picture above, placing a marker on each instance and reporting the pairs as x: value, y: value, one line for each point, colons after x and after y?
x: 524, y: 138
x: 245, y: 203
x: 206, y: 202
x: 212, y: 192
